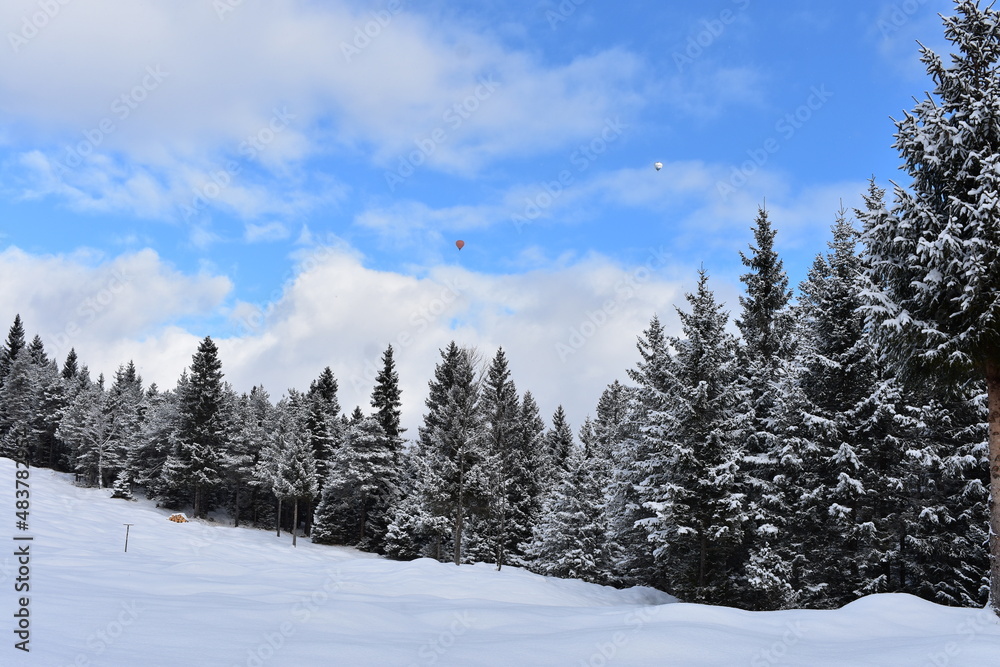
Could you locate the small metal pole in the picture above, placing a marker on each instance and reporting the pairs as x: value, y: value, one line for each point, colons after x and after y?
x: 126, y: 534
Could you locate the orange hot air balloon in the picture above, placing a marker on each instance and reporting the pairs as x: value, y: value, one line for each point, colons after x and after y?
x: 460, y: 244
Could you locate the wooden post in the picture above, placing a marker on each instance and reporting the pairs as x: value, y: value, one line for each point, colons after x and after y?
x: 127, y: 526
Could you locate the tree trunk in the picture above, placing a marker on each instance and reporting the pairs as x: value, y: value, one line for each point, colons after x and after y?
x: 279, y: 517
x: 703, y: 542
x: 364, y: 518
x: 993, y: 393
x: 295, y: 521
x: 236, y: 508
x: 457, y: 533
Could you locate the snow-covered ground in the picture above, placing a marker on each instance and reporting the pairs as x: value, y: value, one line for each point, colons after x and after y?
x: 205, y: 595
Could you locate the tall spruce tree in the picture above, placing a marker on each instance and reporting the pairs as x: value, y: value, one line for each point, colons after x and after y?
x: 124, y: 417
x: 509, y: 515
x: 692, y: 478
x: 195, y: 463
x: 386, y: 398
x: 451, y: 441
x: 12, y: 347
x: 294, y: 478
x: 569, y: 537
x: 933, y: 260
x: 636, y: 453
x: 766, y: 328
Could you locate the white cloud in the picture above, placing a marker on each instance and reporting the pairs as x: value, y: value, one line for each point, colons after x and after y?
x: 269, y: 87
x: 567, y: 332
x: 109, y: 309
x: 271, y: 231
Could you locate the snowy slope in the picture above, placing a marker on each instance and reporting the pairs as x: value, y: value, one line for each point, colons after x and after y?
x: 203, y: 594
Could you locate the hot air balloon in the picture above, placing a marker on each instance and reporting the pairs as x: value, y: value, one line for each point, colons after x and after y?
x: 460, y: 244
x: 658, y: 165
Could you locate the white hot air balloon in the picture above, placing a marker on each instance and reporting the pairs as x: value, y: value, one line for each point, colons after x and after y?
x: 658, y: 165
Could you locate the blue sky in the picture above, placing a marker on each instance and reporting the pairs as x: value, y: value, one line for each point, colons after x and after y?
x: 290, y: 177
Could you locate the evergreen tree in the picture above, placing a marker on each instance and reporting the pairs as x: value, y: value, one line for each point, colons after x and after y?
x: 254, y: 424
x: 933, y: 261
x: 569, y: 538
x: 557, y: 445
x: 449, y: 440
x: 766, y: 326
x: 70, y: 368
x: 124, y: 418
x: 84, y: 429
x: 323, y: 422
x: 386, y: 398
x: 10, y: 350
x: 295, y: 471
x: 850, y: 458
x: 412, y: 530
x: 201, y: 438
x: 621, y: 432
x: 156, y: 440
x: 361, y: 491
x: 699, y: 514
x: 512, y: 503
x: 945, y: 522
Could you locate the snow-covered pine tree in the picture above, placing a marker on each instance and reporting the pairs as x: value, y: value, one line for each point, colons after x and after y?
x: 295, y: 469
x: 12, y: 347
x: 84, y: 429
x: 386, y: 399
x: 691, y: 478
x: 124, y: 414
x: 766, y: 328
x: 450, y: 440
x: 623, y: 413
x: 194, y: 465
x: 323, y: 423
x: 412, y: 530
x: 846, y: 521
x: 569, y: 538
x: 557, y: 444
x: 934, y: 260
x: 71, y: 365
x: 945, y: 520
x: 155, y: 441
x: 254, y: 423
x: 503, y: 465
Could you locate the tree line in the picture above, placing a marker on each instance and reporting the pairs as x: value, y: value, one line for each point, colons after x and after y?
x: 786, y: 467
